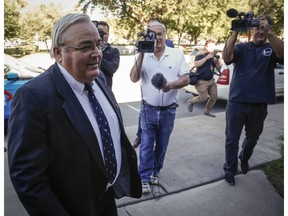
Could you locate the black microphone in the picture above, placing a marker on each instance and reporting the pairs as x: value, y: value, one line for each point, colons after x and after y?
x: 158, y: 81
x: 232, y: 13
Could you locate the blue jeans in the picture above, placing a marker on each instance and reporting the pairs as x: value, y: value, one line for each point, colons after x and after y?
x: 138, y: 134
x: 238, y: 115
x: 156, y: 128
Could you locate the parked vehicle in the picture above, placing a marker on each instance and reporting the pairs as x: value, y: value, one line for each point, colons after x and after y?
x: 16, y: 73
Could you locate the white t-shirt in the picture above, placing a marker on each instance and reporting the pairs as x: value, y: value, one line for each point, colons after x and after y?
x: 172, y: 65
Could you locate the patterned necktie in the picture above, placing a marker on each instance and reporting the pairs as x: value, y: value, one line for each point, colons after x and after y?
x: 107, y: 142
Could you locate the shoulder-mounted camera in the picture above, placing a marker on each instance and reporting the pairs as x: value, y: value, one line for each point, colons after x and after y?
x: 147, y: 45
x: 244, y: 22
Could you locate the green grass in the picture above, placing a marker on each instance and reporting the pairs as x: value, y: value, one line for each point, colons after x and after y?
x: 275, y: 171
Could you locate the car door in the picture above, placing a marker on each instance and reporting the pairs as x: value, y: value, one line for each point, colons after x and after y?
x: 279, y: 80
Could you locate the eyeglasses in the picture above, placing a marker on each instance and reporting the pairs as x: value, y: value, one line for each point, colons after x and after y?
x: 85, y: 48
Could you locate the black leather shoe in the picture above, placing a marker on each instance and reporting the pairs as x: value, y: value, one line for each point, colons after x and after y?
x: 137, y: 142
x: 190, y: 107
x: 209, y: 114
x: 244, y: 166
x: 230, y: 180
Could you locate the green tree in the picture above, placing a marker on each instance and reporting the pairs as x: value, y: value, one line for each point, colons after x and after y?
x: 274, y: 8
x: 12, y: 18
x: 186, y: 18
x: 38, y: 23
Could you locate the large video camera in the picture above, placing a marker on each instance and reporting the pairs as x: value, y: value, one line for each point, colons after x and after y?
x: 147, y: 45
x: 244, y: 22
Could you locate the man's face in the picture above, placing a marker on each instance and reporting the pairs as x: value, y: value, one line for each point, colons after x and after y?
x: 160, y: 35
x: 257, y: 32
x: 210, y: 47
x: 81, y: 55
x: 106, y: 32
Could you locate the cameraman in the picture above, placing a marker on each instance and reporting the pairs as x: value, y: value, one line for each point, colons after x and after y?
x: 111, y: 56
x: 252, y: 88
x: 158, y: 108
x: 168, y: 43
x: 206, y: 62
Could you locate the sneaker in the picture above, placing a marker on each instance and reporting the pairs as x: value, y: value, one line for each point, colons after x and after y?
x: 209, y: 114
x: 137, y: 142
x: 230, y: 180
x: 155, y: 179
x: 146, y: 188
x: 244, y: 167
x: 190, y: 107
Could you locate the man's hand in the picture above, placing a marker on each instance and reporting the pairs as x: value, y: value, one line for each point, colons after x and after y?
x: 265, y: 27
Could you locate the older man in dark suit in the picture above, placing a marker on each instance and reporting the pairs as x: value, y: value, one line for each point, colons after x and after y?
x: 56, y: 148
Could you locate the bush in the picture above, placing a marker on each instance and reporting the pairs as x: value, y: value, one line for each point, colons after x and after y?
x: 275, y: 171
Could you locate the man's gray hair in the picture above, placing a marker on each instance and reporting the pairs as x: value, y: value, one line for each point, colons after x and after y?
x: 62, y: 25
x: 156, y: 23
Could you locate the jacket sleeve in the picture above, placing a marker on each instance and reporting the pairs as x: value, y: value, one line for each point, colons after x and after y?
x: 29, y: 156
x: 110, y: 62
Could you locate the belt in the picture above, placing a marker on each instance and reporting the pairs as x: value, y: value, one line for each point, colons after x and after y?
x: 260, y: 105
x: 161, y: 108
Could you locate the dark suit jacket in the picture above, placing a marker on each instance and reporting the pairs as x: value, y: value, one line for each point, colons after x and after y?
x: 110, y: 63
x: 54, y: 158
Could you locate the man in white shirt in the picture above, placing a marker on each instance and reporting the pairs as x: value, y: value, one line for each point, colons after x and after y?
x: 158, y: 104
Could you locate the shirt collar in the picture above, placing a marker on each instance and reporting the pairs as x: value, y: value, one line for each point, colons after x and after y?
x: 75, y: 84
x: 165, y: 53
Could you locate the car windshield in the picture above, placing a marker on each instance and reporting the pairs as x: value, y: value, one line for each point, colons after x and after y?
x: 24, y: 70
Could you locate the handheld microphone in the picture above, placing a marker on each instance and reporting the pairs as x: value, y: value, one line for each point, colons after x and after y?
x: 158, y: 81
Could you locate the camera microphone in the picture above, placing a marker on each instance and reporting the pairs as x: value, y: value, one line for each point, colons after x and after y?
x: 158, y: 81
x: 232, y: 13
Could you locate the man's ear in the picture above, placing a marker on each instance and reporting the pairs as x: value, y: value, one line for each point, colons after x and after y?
x: 58, y: 54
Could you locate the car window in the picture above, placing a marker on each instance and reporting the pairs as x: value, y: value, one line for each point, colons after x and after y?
x: 279, y: 66
x: 24, y: 70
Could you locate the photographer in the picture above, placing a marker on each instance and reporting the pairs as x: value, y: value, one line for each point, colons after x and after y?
x: 111, y: 56
x: 205, y: 62
x: 252, y: 88
x: 159, y: 101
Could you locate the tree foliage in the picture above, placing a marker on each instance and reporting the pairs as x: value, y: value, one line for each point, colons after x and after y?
x: 186, y: 18
x: 38, y: 23
x: 12, y: 18
x: 274, y: 8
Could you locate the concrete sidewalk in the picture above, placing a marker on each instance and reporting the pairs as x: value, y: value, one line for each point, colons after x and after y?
x: 192, y: 177
x: 192, y: 182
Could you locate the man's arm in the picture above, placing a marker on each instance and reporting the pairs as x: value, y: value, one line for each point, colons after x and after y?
x: 200, y: 62
x: 276, y: 43
x: 135, y: 73
x: 29, y: 157
x: 227, y: 54
x: 177, y: 84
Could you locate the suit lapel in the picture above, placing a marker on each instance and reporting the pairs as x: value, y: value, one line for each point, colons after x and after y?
x: 77, y: 115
